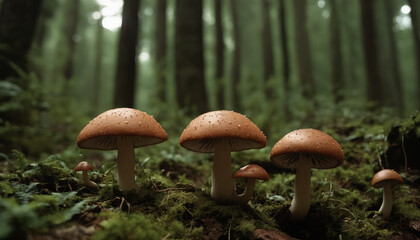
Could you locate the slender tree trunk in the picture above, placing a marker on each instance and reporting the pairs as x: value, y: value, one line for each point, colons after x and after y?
x: 17, y: 26
x: 236, y: 61
x: 70, y: 32
x: 393, y: 65
x: 285, y: 56
x: 303, y: 51
x: 98, y: 65
x: 268, y: 58
x: 220, y: 54
x: 374, y: 84
x: 160, y: 38
x: 336, y: 56
x: 415, y: 22
x: 125, y: 80
x: 189, y: 57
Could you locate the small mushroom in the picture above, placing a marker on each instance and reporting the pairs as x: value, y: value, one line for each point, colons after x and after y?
x: 84, y: 167
x: 122, y: 129
x: 302, y: 150
x: 251, y: 173
x: 385, y: 179
x: 221, y: 132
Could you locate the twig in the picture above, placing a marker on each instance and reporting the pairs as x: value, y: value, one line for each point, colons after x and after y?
x: 405, y: 155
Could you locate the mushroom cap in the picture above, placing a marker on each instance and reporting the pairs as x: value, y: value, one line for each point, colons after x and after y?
x: 251, y: 171
x: 101, y: 133
x: 386, y: 176
x: 83, y: 166
x: 321, y: 149
x: 203, y: 131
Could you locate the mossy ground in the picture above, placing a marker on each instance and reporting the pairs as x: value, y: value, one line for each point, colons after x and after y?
x: 46, y: 198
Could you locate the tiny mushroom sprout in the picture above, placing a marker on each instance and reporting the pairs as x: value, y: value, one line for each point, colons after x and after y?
x: 84, y: 167
x: 302, y: 150
x: 251, y: 172
x: 221, y: 132
x: 122, y: 129
x: 386, y: 179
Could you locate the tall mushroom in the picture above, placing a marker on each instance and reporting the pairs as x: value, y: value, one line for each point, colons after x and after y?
x: 302, y: 150
x: 385, y: 179
x: 251, y: 172
x: 122, y: 129
x: 221, y: 132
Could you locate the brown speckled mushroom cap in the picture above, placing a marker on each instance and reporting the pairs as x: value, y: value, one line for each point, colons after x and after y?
x: 386, y: 176
x: 251, y: 171
x: 322, y: 150
x: 83, y: 166
x: 202, y: 132
x: 101, y: 133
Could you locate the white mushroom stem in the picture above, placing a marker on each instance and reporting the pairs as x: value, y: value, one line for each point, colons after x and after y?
x: 87, y: 181
x: 249, y: 190
x: 222, y: 181
x: 302, y: 199
x: 386, y: 206
x: 125, y: 164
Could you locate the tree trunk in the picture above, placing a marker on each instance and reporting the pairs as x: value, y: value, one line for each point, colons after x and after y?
x: 393, y: 66
x: 236, y: 61
x: 125, y: 80
x: 17, y: 26
x: 98, y: 65
x: 268, y: 59
x: 415, y: 22
x: 374, y: 84
x: 189, y: 58
x: 336, y: 56
x: 70, y: 32
x: 160, y: 38
x: 285, y: 56
x: 303, y: 51
x: 220, y: 55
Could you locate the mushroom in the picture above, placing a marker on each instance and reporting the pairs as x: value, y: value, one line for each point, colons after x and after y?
x: 221, y: 132
x: 302, y: 150
x: 251, y: 172
x: 123, y: 129
x: 84, y: 167
x: 385, y: 179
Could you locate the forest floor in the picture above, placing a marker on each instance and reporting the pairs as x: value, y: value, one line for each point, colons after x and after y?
x: 45, y: 199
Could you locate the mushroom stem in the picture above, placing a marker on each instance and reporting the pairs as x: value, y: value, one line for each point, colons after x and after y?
x: 386, y: 206
x: 222, y: 181
x: 87, y: 181
x: 125, y: 164
x: 302, y: 198
x: 249, y: 190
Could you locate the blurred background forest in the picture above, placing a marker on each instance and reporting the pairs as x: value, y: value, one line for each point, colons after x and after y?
x: 284, y: 64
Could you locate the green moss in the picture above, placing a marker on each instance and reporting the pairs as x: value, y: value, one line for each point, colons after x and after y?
x: 133, y: 226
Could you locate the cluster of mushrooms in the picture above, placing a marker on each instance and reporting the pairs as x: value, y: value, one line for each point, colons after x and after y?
x: 221, y: 132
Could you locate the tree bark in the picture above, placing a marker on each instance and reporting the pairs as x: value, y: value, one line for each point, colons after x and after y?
x: 70, y: 32
x: 125, y: 80
x: 236, y: 61
x: 415, y: 23
x: 393, y: 66
x: 160, y: 38
x: 303, y: 51
x: 220, y: 55
x: 98, y: 65
x: 374, y: 84
x: 189, y: 57
x: 285, y: 56
x: 17, y: 26
x: 268, y: 58
x: 336, y: 56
